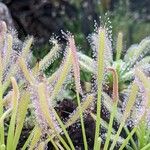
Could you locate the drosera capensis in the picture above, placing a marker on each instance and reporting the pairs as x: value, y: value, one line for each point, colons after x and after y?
x: 119, y: 73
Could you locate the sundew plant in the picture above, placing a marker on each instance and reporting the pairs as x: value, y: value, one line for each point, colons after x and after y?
x: 118, y: 101
x: 13, y: 103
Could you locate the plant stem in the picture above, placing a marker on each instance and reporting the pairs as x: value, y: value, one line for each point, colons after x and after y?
x: 146, y: 147
x: 99, y: 141
x: 115, y: 98
x: 82, y: 122
x: 64, y: 130
x: 100, y: 69
x: 132, y: 141
x: 130, y: 103
x: 128, y: 138
x: 1, y: 113
x: 114, y: 109
x: 2, y: 137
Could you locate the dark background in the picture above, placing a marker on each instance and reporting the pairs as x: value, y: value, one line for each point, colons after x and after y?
x: 42, y: 18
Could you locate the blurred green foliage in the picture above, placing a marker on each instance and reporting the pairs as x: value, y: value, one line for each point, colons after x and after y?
x: 122, y: 19
x: 81, y: 24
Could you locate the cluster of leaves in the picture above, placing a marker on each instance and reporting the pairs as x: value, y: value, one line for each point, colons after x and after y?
x: 30, y: 84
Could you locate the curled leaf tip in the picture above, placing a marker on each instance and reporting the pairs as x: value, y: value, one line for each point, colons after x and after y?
x: 115, y: 83
x: 3, y: 27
